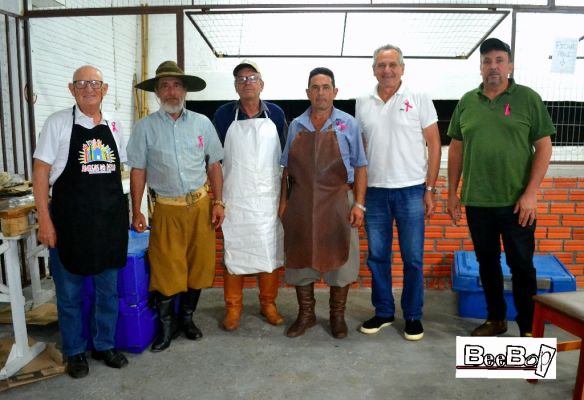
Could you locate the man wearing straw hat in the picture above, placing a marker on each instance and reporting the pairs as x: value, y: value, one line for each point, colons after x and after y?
x: 175, y: 151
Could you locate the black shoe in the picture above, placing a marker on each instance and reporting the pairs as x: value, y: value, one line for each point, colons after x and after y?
x: 414, y: 330
x: 375, y: 324
x: 490, y: 327
x: 111, y: 357
x: 191, y: 331
x: 168, y: 323
x: 188, y: 305
x: 77, y: 366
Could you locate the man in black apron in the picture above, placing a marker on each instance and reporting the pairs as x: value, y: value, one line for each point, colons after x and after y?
x: 321, y: 205
x: 78, y: 155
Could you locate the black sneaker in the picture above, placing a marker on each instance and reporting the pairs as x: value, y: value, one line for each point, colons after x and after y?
x: 414, y: 330
x: 375, y: 324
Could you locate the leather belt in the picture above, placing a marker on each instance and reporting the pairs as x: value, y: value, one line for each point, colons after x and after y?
x: 184, y: 200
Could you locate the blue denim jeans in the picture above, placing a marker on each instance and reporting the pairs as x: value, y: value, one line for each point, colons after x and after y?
x: 488, y: 226
x: 406, y: 207
x: 104, y: 315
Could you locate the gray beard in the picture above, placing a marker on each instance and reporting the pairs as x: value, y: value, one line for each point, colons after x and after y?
x: 171, y: 109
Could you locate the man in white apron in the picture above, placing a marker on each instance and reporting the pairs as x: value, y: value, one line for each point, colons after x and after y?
x: 253, y: 133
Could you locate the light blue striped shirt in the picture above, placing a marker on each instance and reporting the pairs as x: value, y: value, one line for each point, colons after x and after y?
x: 348, y: 136
x: 174, y: 152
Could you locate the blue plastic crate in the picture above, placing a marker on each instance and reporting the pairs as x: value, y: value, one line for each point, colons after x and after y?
x: 134, y: 278
x: 137, y: 326
x: 552, y: 276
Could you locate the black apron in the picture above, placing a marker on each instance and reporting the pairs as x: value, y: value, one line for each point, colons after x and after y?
x: 89, y: 209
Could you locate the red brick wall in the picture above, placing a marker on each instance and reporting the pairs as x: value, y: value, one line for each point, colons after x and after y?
x: 560, y: 231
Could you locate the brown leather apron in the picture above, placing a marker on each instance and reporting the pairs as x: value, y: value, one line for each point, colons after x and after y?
x: 316, y: 221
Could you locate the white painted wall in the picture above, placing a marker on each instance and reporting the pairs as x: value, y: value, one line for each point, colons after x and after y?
x: 61, y: 45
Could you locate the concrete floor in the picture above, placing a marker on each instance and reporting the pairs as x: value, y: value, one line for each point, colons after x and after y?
x: 259, y: 362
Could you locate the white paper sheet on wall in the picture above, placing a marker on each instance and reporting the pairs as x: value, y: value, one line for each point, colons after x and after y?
x: 564, y: 56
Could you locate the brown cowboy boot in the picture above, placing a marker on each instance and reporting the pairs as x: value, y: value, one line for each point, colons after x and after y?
x: 306, y: 317
x: 337, y: 302
x: 233, y: 294
x: 268, y: 283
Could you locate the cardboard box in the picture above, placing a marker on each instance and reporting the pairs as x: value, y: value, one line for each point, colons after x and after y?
x: 46, y: 365
x: 16, y: 220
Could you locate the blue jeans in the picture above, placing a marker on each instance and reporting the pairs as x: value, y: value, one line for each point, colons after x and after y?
x: 406, y: 207
x: 488, y: 226
x: 104, y: 314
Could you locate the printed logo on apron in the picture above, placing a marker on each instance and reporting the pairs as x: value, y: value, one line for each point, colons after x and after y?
x: 97, y: 158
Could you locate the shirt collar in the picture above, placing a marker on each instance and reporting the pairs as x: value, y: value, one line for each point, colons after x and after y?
x: 263, y: 108
x: 304, y: 119
x: 80, y: 116
x: 400, y: 91
x: 166, y: 117
x: 510, y: 89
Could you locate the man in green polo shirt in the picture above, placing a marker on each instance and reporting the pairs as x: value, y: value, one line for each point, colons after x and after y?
x: 501, y: 142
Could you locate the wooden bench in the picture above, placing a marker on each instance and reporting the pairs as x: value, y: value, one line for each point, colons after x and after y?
x: 566, y: 311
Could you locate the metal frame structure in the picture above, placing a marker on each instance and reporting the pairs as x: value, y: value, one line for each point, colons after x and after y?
x: 191, y: 14
x: 180, y: 10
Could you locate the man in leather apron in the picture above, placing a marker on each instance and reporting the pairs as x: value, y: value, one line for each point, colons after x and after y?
x: 253, y: 133
x: 78, y: 156
x: 176, y: 151
x: 321, y: 205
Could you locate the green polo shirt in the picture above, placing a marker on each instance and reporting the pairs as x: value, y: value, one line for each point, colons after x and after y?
x: 498, y: 137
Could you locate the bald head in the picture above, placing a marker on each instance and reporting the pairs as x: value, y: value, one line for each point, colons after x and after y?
x: 87, y: 70
x: 88, y: 89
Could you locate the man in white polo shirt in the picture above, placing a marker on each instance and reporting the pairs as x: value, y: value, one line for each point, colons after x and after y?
x: 397, y: 124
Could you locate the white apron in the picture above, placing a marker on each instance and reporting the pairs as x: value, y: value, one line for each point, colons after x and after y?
x: 252, y: 231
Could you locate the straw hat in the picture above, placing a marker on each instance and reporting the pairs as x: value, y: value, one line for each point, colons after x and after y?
x: 169, y: 69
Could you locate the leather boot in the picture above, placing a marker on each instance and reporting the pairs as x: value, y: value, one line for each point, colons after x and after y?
x: 233, y: 294
x: 337, y: 302
x: 268, y: 283
x: 188, y: 305
x: 168, y: 324
x: 306, y: 317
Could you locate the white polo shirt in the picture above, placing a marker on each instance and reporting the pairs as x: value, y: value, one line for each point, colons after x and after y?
x: 394, y: 140
x: 55, y: 137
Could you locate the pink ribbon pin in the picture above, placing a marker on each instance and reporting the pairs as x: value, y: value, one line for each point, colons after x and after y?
x: 201, y: 142
x: 408, y: 105
x: 114, y: 127
x: 507, y: 110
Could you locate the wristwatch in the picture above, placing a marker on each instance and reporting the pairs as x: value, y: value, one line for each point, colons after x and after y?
x: 431, y: 189
x: 218, y: 203
x: 360, y: 206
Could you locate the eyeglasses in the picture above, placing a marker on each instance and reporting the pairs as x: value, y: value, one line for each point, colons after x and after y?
x: 242, y: 80
x: 83, y: 84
